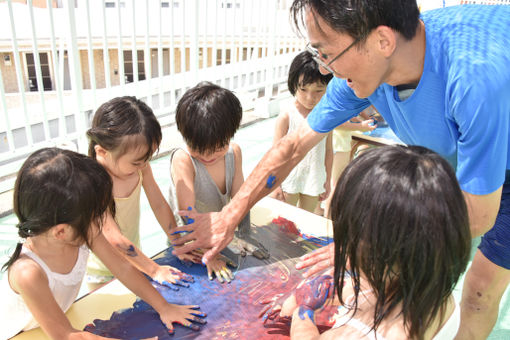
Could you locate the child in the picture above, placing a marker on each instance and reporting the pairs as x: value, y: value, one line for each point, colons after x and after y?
x: 209, y: 172
x: 402, y: 241
x: 60, y: 199
x: 308, y: 183
x: 343, y: 148
x: 124, y: 135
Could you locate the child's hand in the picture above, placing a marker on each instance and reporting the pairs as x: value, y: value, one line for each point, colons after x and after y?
x: 194, y: 256
x: 184, y: 315
x: 327, y: 191
x: 220, y: 269
x: 169, y: 276
x: 367, y: 125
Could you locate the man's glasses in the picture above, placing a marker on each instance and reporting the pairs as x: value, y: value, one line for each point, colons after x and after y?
x: 317, y: 57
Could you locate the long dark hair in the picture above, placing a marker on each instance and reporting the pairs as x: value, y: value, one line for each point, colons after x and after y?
x: 359, y: 17
x: 401, y: 221
x: 120, y: 118
x: 57, y: 186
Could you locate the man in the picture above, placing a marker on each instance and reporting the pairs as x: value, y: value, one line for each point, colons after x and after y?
x: 443, y: 82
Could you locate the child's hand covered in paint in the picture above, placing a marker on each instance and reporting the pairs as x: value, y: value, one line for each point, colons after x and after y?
x: 313, y: 293
x: 218, y: 266
x: 187, y: 316
x: 273, y: 306
x: 171, y: 277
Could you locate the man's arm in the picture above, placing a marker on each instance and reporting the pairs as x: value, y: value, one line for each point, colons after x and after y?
x: 217, y: 229
x: 482, y: 210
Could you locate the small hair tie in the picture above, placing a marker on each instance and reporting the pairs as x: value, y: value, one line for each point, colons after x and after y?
x: 22, y: 240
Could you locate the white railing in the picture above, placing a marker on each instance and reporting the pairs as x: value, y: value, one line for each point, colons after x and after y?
x: 59, y: 64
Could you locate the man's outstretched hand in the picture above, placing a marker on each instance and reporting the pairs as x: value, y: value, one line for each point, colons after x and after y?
x: 317, y: 261
x: 207, y: 231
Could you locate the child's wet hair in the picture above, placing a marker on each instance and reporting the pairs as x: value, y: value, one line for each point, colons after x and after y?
x: 208, y: 116
x: 123, y: 123
x: 57, y: 186
x: 303, y: 71
x: 400, y: 220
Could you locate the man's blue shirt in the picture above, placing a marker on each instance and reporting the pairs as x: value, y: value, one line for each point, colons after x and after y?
x: 461, y: 106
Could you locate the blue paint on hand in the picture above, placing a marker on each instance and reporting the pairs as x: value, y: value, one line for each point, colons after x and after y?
x: 178, y: 232
x: 271, y: 180
x: 169, y: 285
x: 190, y: 208
x: 190, y: 220
x: 304, y: 311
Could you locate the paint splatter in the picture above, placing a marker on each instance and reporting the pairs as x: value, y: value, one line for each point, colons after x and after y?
x: 233, y: 310
x: 129, y: 251
x: 271, y: 180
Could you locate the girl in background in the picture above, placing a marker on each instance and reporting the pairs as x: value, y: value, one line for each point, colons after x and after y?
x: 309, y: 182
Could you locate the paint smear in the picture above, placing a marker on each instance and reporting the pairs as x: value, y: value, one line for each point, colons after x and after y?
x: 232, y: 309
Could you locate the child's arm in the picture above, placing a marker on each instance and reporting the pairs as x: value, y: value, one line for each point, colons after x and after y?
x: 237, y: 181
x: 29, y: 280
x: 165, y: 275
x: 136, y: 282
x: 157, y: 201
x: 280, y: 131
x: 328, y: 163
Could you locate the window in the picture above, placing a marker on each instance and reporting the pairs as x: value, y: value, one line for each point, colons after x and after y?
x: 128, y: 66
x: 32, y: 74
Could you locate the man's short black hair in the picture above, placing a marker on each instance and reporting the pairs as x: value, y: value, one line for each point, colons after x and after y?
x: 359, y: 17
x: 208, y: 116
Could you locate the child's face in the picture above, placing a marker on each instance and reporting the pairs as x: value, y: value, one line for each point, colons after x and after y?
x: 310, y: 94
x: 128, y: 164
x: 209, y: 158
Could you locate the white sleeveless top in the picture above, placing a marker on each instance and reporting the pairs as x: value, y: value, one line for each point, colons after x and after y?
x: 309, y: 176
x: 14, y: 313
x: 447, y: 332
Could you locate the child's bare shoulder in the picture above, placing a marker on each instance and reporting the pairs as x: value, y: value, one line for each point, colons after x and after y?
x: 25, y: 273
x: 182, y: 163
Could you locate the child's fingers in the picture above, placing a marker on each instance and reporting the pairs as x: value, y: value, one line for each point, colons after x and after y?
x: 170, y: 285
x: 264, y: 310
x: 189, y: 324
x: 181, y: 283
x: 197, y: 319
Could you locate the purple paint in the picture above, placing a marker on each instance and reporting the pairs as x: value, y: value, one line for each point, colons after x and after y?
x: 233, y: 310
x: 129, y: 251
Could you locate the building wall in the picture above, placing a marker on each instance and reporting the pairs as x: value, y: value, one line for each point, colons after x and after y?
x: 9, y: 73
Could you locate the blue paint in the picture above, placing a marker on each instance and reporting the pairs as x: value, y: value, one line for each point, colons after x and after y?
x: 169, y: 285
x: 179, y: 232
x: 190, y: 220
x: 271, y: 180
x: 303, y: 311
x: 190, y: 208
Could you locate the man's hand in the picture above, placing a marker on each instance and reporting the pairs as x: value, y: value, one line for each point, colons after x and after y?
x: 317, y: 261
x: 209, y: 230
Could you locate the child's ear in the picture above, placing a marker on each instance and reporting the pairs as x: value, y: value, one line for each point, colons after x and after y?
x: 60, y: 231
x: 100, y: 151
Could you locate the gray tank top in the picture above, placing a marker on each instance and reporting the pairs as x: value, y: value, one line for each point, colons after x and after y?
x: 208, y: 197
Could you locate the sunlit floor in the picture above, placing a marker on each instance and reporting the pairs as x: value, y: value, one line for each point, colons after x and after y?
x: 254, y: 140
